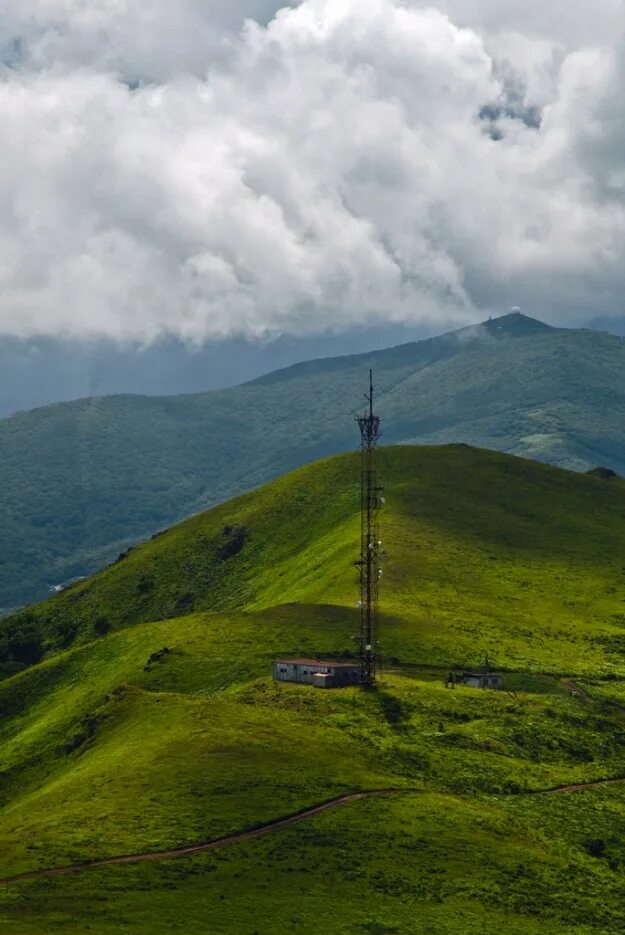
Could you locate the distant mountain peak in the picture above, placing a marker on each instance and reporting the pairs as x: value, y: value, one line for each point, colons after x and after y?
x: 515, y: 323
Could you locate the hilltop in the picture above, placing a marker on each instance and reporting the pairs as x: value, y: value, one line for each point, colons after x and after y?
x: 83, y: 481
x: 150, y: 720
x: 480, y: 545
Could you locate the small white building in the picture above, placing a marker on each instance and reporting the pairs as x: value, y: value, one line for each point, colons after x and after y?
x: 475, y: 680
x: 318, y: 672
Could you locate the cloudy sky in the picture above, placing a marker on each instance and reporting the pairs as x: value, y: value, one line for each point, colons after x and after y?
x: 237, y: 167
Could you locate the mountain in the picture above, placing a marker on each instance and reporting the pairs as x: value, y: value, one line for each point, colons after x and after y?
x: 82, y: 481
x: 40, y: 371
x: 150, y: 721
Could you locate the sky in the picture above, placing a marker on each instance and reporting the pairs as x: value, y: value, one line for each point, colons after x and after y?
x: 244, y: 170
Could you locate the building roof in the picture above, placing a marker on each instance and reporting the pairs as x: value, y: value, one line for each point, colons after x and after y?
x: 318, y: 662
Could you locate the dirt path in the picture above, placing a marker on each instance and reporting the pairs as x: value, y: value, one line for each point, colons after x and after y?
x: 579, y: 787
x: 268, y: 828
x: 262, y: 830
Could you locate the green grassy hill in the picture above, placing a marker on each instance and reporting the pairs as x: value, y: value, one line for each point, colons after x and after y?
x: 82, y: 481
x: 110, y: 746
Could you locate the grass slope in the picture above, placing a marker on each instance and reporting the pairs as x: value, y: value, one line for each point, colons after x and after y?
x: 104, y: 752
x: 83, y: 480
x: 485, y: 553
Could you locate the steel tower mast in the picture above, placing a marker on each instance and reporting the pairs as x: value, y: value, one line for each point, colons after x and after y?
x: 369, y: 561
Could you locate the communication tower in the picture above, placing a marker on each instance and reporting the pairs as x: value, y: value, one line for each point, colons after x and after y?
x: 369, y: 561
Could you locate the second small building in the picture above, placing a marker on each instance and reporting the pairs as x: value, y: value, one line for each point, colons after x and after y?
x: 318, y: 672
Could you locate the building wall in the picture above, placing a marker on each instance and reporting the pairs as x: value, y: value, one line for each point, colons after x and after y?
x: 345, y: 676
x: 304, y: 674
x: 494, y: 681
x: 481, y: 681
x: 324, y: 680
x: 289, y: 672
x: 472, y: 682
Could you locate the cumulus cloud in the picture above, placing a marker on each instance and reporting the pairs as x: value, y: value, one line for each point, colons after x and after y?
x: 570, y: 23
x: 242, y: 168
x: 151, y: 40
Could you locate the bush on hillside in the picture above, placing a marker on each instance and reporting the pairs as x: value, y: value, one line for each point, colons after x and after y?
x: 603, y: 473
x: 235, y: 540
x: 145, y: 585
x: 66, y: 633
x: 102, y: 626
x: 22, y: 642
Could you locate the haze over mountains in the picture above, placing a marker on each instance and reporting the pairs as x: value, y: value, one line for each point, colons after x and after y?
x: 40, y: 371
x: 84, y: 480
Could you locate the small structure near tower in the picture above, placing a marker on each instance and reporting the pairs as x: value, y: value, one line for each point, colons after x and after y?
x: 474, y: 680
x: 485, y: 678
x: 369, y: 561
x: 318, y: 672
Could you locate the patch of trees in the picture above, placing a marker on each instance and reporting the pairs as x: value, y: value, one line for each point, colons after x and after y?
x: 123, y: 555
x: 159, y: 656
x: 21, y: 643
x: 145, y: 585
x: 603, y: 473
x: 235, y: 538
x: 102, y: 626
x: 604, y: 850
x: 66, y: 633
x: 184, y: 602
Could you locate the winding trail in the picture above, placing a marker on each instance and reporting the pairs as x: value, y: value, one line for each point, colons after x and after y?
x: 188, y: 851
x: 262, y: 830
x: 580, y: 786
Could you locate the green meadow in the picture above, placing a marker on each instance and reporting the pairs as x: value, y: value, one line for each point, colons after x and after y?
x: 110, y: 746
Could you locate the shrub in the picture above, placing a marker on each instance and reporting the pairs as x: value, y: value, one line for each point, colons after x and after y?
x: 102, y: 626
x: 67, y: 632
x: 25, y: 646
x: 235, y: 540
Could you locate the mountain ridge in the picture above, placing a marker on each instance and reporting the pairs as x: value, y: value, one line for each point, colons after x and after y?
x: 513, y: 324
x: 82, y: 481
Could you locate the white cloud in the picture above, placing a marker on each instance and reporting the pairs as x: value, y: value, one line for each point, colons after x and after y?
x: 327, y: 169
x: 571, y: 23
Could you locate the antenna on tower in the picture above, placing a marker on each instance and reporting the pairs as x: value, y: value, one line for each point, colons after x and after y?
x: 369, y: 561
